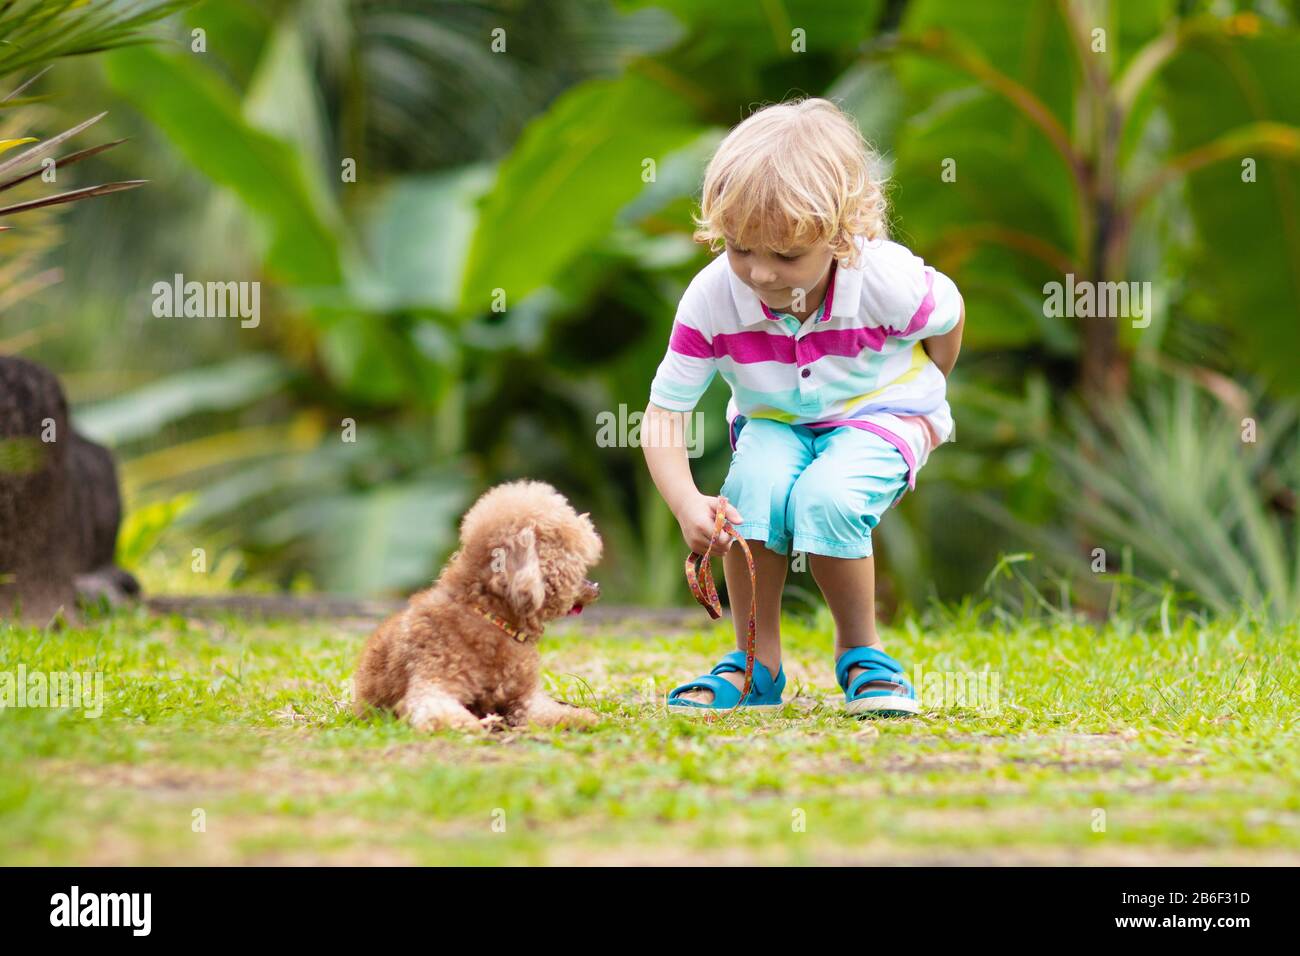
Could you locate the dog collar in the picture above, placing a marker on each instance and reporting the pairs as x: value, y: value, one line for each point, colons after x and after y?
x: 518, y: 634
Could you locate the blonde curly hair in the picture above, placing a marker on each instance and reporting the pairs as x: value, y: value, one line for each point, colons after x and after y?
x: 792, y: 175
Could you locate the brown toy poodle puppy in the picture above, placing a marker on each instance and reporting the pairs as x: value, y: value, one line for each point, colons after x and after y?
x: 464, y: 652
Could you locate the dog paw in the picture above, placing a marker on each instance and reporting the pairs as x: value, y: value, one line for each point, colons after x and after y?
x: 542, y: 711
x: 569, y: 716
x: 431, y: 723
x: 429, y: 707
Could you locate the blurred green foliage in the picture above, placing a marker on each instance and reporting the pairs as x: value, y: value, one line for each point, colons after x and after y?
x: 500, y: 270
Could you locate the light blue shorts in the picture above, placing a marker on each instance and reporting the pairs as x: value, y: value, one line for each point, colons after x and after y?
x: 820, y: 491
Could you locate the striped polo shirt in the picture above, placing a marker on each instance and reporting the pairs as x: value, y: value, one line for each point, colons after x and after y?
x: 858, y: 361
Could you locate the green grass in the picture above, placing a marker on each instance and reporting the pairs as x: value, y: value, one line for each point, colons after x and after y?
x: 1185, y: 737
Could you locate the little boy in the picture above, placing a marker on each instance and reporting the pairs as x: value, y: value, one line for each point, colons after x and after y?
x: 836, y: 344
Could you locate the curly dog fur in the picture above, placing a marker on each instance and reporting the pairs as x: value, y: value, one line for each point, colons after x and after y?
x: 524, y: 554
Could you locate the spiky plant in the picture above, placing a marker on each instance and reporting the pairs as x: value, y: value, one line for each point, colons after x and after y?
x: 1199, y: 490
x: 34, y: 157
x: 33, y: 34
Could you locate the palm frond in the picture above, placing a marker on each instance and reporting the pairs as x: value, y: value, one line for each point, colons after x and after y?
x: 37, y: 32
x: 88, y: 192
x: 63, y: 162
x: 1171, y: 478
x: 26, y: 156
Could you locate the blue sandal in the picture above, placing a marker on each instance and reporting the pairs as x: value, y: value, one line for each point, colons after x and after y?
x: 764, y: 694
x: 880, y: 701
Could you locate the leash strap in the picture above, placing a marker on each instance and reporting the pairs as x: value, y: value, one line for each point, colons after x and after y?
x: 699, y: 575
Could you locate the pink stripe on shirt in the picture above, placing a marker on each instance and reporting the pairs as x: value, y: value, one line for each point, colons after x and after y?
x: 839, y: 342
x: 922, y: 314
x: 747, y: 347
x: 688, y: 341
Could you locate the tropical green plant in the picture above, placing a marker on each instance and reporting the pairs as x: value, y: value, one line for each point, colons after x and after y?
x: 376, y: 286
x: 30, y: 156
x: 1103, y: 111
x: 1180, y: 487
x: 382, y: 290
x: 34, y: 34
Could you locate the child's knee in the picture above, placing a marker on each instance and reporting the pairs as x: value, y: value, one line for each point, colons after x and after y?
x: 820, y: 498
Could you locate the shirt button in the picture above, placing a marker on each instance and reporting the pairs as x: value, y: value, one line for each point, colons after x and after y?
x: 806, y: 372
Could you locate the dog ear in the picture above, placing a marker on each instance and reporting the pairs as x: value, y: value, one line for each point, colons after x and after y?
x: 519, y: 578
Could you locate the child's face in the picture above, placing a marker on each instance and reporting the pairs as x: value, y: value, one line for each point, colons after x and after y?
x: 778, y: 276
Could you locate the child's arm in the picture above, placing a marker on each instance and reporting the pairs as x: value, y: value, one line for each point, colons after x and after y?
x: 914, y: 302
x: 662, y: 440
x: 943, y: 349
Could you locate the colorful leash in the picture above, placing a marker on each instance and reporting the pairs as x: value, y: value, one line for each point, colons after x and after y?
x: 699, y: 575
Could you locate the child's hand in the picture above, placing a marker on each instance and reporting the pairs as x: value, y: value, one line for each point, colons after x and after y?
x: 697, y: 517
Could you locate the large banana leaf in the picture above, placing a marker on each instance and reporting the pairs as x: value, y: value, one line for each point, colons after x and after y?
x: 202, y: 118
x: 417, y: 232
x: 1063, y: 94
x: 283, y: 99
x: 757, y: 33
x: 137, y: 414
x: 1001, y: 235
x: 236, y: 32
x: 1249, y: 257
x: 562, y: 186
x: 383, y: 539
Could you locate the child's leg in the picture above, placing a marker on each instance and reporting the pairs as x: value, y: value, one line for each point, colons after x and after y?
x: 769, y: 569
x: 835, y: 505
x: 849, y: 586
x: 769, y: 456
